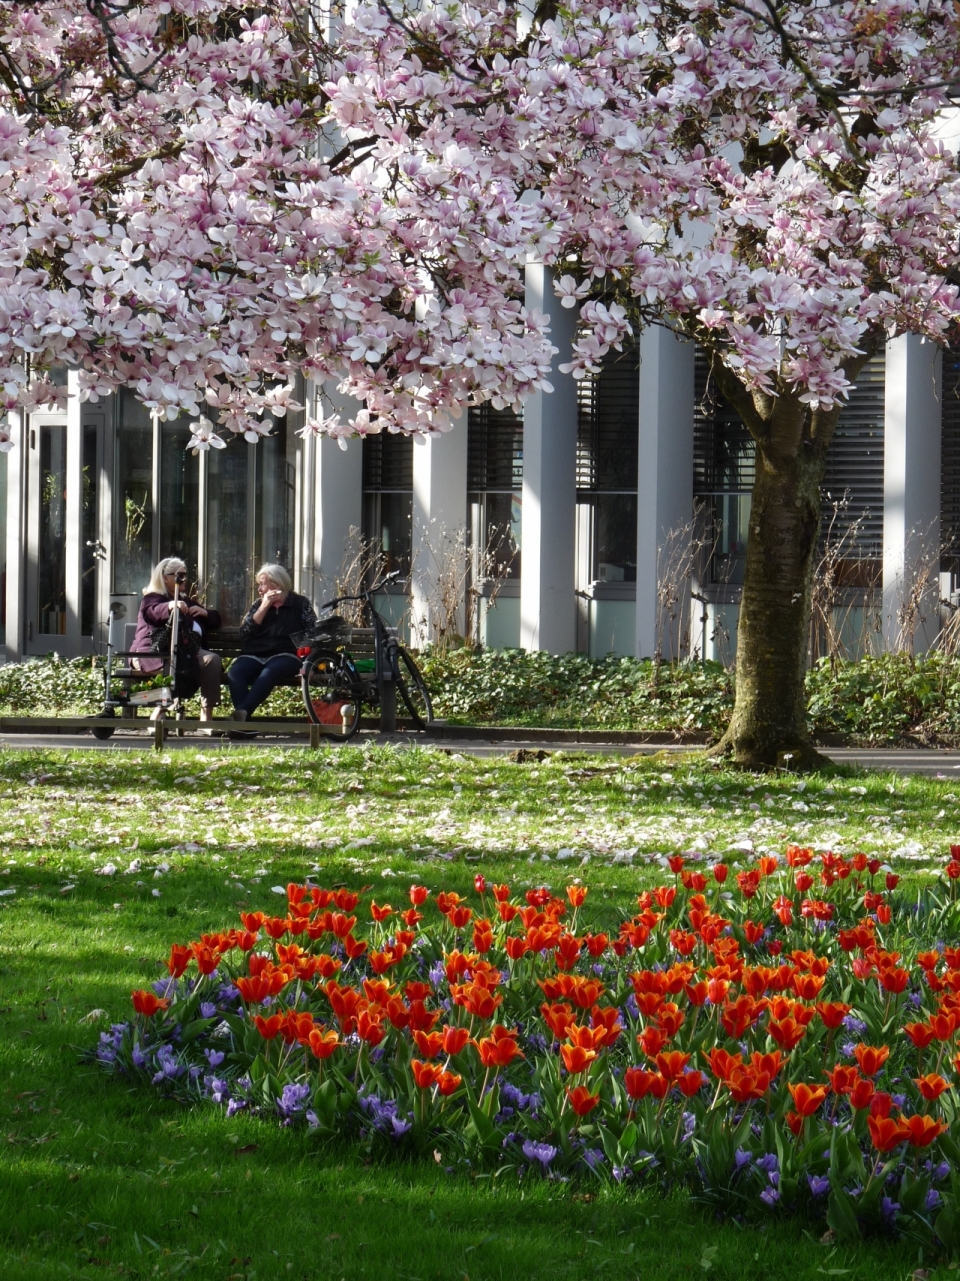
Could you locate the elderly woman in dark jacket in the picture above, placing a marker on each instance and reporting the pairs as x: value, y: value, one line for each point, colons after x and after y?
x: 268, y: 657
x: 204, y: 669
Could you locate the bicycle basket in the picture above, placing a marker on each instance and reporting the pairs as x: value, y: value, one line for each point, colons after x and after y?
x: 331, y: 630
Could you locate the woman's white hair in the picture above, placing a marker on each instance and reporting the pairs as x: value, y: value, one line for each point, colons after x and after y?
x: 277, y: 574
x: 169, y: 565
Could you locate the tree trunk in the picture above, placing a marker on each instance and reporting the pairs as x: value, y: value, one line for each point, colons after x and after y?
x: 769, y: 724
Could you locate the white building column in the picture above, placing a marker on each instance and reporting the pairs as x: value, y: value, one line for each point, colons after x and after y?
x: 17, y: 460
x: 439, y: 533
x: 337, y: 502
x: 911, y: 493
x: 665, y: 475
x: 548, y: 614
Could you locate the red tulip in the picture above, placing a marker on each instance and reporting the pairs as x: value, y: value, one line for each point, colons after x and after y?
x: 581, y: 1100
x: 147, y: 1003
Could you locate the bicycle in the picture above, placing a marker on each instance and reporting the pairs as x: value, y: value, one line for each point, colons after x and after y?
x: 335, y: 684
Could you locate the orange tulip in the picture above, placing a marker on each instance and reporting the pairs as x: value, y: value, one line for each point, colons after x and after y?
x: 581, y: 1100
x: 691, y: 1082
x: 448, y: 1082
x: 920, y: 1131
x: 921, y: 1034
x: 576, y: 894
x: 425, y: 1075
x: 807, y: 1099
x: 180, y: 958
x: 843, y: 1079
x: 500, y: 1048
x: 943, y: 1025
x: 887, y: 1134
x: 832, y: 1013
x: 269, y: 1028
x: 369, y: 1028
x: 147, y: 1003
x: 454, y: 1039
x: 380, y: 913
x: 871, y: 1057
x: 931, y: 1086
x: 430, y: 1044
x: 652, y: 1041
x: 862, y: 1094
x: 638, y: 1082
x: 576, y: 1059
x: 672, y: 1064
x: 787, y: 1033
x: 322, y: 1044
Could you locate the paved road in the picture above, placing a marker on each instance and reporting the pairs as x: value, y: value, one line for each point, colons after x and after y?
x: 936, y: 763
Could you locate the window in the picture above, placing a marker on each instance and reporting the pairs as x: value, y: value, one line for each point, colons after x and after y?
x: 494, y: 490
x: 133, y: 496
x: 950, y: 464
x: 725, y: 464
x: 247, y: 517
x: 608, y: 420
x: 388, y: 498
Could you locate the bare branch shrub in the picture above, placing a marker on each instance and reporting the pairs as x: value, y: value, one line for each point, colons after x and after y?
x: 363, y: 566
x: 919, y: 588
x: 682, y: 550
x: 845, y: 578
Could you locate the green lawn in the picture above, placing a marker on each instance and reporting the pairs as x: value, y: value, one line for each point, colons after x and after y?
x: 113, y: 856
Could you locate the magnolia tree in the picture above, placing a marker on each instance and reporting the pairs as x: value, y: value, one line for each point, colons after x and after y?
x: 199, y: 199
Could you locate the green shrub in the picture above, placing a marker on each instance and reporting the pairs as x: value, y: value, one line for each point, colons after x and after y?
x: 889, y: 699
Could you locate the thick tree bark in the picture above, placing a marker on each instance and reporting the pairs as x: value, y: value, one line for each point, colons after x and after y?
x: 769, y: 718
x: 769, y: 722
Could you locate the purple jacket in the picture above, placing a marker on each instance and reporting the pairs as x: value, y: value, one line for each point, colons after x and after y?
x: 154, y: 612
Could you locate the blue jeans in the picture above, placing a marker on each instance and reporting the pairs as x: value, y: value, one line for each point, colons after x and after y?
x: 251, y: 681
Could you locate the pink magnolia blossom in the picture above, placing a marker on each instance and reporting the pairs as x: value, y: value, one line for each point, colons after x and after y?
x: 196, y: 203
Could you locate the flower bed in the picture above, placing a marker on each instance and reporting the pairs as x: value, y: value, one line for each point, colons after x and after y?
x: 771, y: 1050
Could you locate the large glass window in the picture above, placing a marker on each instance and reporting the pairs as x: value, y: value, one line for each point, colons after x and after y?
x: 179, y: 494
x: 388, y: 498
x: 852, y: 494
x: 89, y: 541
x: 249, y: 512
x: 494, y: 490
x: 230, y: 557
x: 276, y: 495
x: 133, y: 497
x: 608, y: 422
x: 52, y: 568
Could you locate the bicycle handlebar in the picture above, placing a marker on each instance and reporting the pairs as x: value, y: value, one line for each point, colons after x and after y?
x: 365, y: 596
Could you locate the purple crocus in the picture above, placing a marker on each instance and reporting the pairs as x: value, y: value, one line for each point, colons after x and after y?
x: 541, y: 1152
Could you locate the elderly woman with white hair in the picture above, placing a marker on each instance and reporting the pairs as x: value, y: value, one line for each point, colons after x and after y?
x: 268, y: 657
x: 197, y: 666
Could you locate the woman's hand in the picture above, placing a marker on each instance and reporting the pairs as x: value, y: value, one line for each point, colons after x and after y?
x: 181, y: 605
x: 197, y: 611
x: 271, y: 599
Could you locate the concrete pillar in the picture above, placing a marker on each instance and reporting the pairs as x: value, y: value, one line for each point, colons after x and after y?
x: 548, y: 615
x: 911, y: 494
x: 337, y: 502
x: 17, y: 460
x: 665, y: 475
x: 439, y: 534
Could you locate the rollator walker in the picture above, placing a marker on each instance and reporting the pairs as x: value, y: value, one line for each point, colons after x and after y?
x: 119, y: 676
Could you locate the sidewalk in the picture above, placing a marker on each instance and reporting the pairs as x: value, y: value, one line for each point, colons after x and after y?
x: 934, y: 762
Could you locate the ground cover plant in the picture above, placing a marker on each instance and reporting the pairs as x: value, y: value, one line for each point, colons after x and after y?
x: 111, y: 856
x: 876, y: 701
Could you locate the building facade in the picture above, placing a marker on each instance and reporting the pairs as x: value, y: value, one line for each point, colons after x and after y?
x: 610, y: 517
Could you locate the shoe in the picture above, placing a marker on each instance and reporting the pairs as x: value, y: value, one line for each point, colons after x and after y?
x: 242, y: 733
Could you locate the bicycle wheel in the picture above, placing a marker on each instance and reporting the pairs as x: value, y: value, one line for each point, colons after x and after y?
x: 412, y: 689
x: 332, y: 693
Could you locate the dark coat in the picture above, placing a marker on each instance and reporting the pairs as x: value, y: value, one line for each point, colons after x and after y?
x: 154, y: 612
x: 272, y: 636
